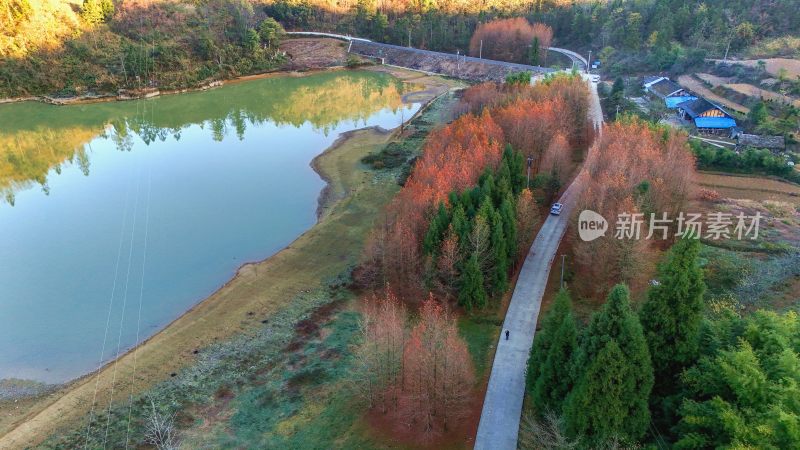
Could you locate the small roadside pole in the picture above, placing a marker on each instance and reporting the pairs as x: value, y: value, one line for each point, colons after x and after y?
x: 480, y: 50
x: 589, y: 61
x: 530, y: 162
x: 562, y: 270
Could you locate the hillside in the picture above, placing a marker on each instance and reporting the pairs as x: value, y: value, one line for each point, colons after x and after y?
x: 69, y: 48
x: 73, y: 47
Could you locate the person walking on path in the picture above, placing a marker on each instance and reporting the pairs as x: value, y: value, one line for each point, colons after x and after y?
x: 507, y: 333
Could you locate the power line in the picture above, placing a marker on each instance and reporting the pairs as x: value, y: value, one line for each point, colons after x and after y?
x: 122, y: 316
x: 108, y: 316
x: 139, y: 317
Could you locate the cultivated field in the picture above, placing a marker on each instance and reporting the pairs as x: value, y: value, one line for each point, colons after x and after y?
x: 713, y: 80
x: 697, y: 86
x: 752, y: 91
x: 753, y: 188
x: 773, y: 65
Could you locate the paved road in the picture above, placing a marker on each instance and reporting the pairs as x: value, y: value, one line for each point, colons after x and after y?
x: 372, y: 49
x: 579, y: 61
x: 502, y: 405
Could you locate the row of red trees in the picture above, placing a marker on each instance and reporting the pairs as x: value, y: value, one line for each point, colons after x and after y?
x: 465, y: 195
x: 422, y: 374
x: 635, y: 167
x: 545, y: 122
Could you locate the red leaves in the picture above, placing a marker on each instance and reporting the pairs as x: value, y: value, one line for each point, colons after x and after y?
x: 452, y: 160
x: 548, y: 119
x: 508, y: 39
x: 425, y: 376
x: 634, y: 168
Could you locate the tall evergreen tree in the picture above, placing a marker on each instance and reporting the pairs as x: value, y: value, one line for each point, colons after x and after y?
x: 671, y: 318
x: 439, y: 223
x: 460, y: 224
x: 617, y: 322
x: 598, y: 409
x: 516, y: 165
x: 533, y: 52
x: 549, y: 378
x: 509, y: 214
x: 472, y: 293
x: 499, y: 269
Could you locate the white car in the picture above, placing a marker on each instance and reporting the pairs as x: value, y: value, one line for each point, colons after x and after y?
x: 595, y: 78
x: 556, y: 209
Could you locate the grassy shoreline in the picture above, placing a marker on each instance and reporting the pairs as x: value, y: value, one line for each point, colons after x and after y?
x: 257, y: 292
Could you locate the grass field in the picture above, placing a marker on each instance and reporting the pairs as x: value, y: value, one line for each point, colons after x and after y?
x: 258, y: 292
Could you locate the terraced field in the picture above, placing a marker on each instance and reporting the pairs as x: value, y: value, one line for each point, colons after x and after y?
x: 698, y: 87
x: 773, y: 65
x: 756, y: 92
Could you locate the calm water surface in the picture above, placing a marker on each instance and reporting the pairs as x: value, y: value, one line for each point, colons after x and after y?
x: 116, y: 208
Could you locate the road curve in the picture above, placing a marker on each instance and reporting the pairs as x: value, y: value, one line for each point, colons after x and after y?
x: 502, y: 406
x: 579, y: 61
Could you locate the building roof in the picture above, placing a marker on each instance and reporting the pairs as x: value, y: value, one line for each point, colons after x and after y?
x: 698, y: 106
x: 755, y: 140
x: 714, y: 122
x: 648, y: 80
x: 673, y: 102
x: 664, y: 88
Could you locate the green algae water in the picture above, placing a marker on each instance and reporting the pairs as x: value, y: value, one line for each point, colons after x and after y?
x: 115, y: 218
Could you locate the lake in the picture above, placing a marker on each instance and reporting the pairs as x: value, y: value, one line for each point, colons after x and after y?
x: 118, y: 217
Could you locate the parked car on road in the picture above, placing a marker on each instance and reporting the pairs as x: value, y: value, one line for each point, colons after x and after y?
x: 556, y: 209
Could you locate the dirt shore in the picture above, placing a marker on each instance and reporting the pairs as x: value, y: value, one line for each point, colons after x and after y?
x: 257, y: 291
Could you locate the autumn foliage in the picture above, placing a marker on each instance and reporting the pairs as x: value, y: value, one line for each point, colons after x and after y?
x: 509, y: 39
x: 424, y: 377
x: 634, y: 168
x: 546, y: 122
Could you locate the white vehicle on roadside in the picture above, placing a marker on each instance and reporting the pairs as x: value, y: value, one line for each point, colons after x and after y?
x: 556, y: 209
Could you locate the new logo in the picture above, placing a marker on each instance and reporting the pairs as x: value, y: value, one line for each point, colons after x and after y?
x: 591, y: 225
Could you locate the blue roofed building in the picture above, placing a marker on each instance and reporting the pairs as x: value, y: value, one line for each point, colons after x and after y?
x: 669, y: 91
x: 706, y: 115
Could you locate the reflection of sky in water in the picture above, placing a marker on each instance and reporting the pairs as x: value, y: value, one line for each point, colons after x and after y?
x: 206, y: 206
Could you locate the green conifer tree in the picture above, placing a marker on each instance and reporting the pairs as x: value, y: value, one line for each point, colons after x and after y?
x: 472, y: 293
x: 599, y: 410
x: 549, y: 378
x: 671, y: 318
x: 439, y: 223
x: 499, y: 269
x: 615, y: 321
x: 460, y: 225
x: 508, y: 212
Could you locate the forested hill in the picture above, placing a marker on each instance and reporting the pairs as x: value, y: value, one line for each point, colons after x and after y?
x: 71, y: 47
x: 74, y: 46
x: 648, y: 34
